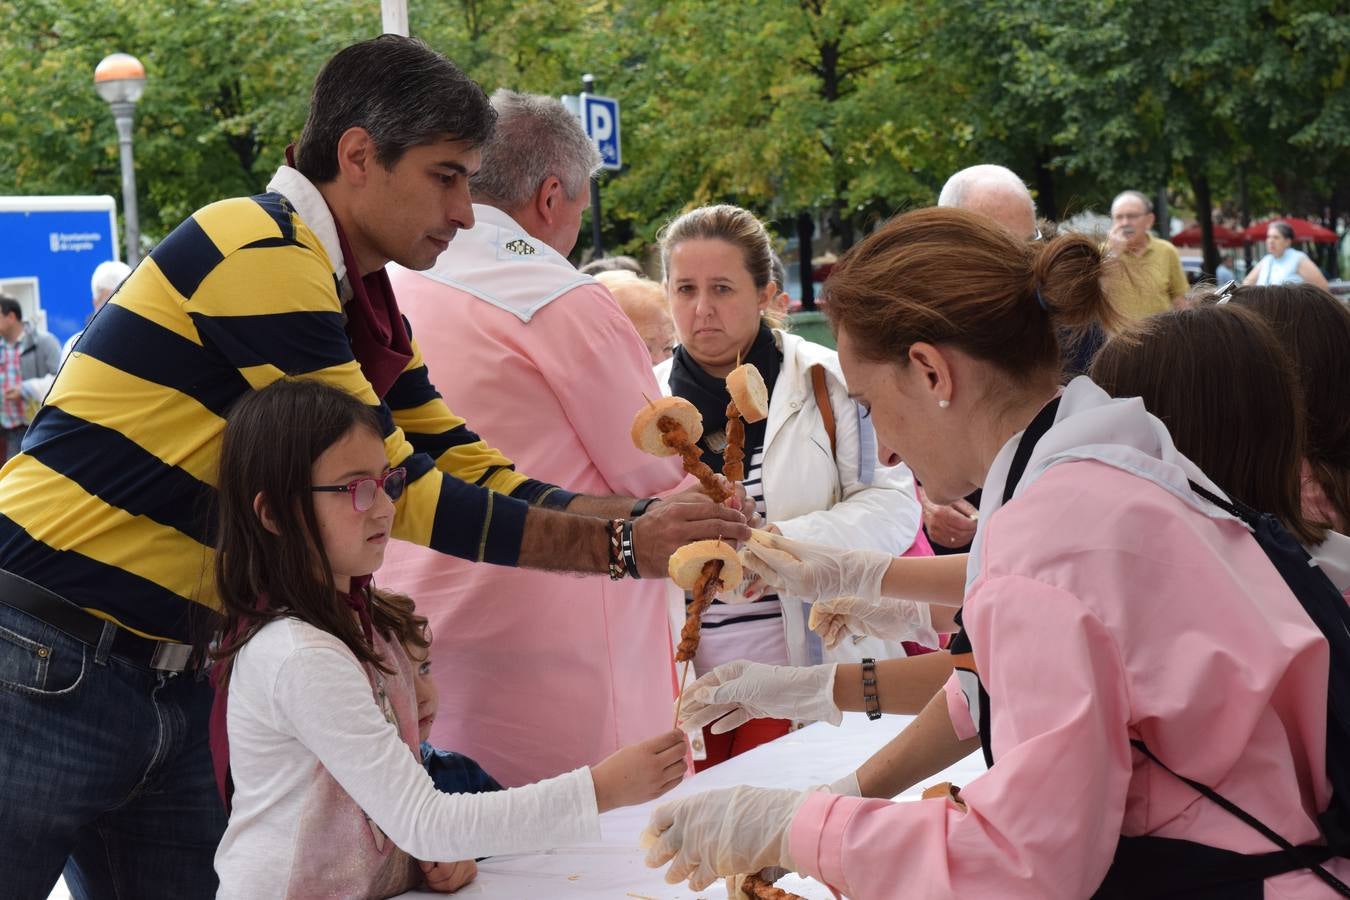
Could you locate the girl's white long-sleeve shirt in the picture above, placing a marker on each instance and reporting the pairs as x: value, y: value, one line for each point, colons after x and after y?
x: 310, y: 751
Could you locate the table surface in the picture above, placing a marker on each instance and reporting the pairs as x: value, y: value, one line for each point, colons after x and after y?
x: 613, y: 867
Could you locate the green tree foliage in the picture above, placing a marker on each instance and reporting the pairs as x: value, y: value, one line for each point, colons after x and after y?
x: 1122, y: 93
x: 782, y: 106
x: 227, y: 83
x: 855, y: 108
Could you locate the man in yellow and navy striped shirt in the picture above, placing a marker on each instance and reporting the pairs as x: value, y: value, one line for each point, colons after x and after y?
x: 106, y: 517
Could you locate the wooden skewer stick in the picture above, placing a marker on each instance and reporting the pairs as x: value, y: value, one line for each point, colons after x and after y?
x: 648, y: 399
x: 679, y: 698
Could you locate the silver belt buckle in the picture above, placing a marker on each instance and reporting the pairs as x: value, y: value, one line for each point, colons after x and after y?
x: 171, y: 657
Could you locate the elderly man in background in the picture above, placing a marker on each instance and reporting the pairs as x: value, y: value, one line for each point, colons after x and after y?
x: 538, y: 673
x: 614, y: 264
x: 107, y: 278
x: 995, y: 192
x: 1150, y: 278
x: 999, y: 194
x: 644, y: 302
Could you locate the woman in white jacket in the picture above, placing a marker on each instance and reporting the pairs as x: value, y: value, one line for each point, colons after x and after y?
x: 810, y: 467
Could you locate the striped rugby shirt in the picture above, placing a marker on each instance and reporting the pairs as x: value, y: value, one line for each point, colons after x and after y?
x: 111, y: 502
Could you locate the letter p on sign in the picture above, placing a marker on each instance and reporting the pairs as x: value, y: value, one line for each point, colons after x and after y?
x: 600, y: 115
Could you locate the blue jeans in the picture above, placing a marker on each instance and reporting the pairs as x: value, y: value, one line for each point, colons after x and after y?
x: 105, y: 772
x: 455, y: 773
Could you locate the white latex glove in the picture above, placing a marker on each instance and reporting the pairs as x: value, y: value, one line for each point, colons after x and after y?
x: 814, y: 571
x: 884, y: 617
x: 736, y: 692
x: 719, y: 833
x: 846, y: 787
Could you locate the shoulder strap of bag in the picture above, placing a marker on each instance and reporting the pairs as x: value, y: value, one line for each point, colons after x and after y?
x: 823, y: 404
x: 1325, y: 606
x: 960, y: 644
x: 1022, y: 455
x: 1298, y: 853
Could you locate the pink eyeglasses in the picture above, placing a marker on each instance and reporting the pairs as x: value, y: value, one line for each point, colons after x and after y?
x: 363, y: 489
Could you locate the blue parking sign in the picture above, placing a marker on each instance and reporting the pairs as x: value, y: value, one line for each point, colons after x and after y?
x: 600, y: 115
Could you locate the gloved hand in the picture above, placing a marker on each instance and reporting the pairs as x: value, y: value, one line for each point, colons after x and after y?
x: 884, y: 617
x: 720, y: 833
x: 736, y: 692
x: 844, y: 787
x: 814, y: 571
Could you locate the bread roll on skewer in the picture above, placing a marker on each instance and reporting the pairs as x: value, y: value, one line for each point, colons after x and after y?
x: 647, y: 434
x: 686, y: 563
x: 673, y: 425
x: 749, y: 393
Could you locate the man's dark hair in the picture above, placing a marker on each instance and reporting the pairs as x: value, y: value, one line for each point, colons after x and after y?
x: 10, y: 305
x: 398, y: 89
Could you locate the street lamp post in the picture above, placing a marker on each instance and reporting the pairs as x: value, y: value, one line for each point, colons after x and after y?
x: 120, y: 79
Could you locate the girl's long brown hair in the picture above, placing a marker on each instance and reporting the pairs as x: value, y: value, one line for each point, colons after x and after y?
x: 1314, y: 328
x: 1226, y: 390
x: 272, y: 439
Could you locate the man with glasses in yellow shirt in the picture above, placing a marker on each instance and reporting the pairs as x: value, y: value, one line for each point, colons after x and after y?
x: 1150, y: 279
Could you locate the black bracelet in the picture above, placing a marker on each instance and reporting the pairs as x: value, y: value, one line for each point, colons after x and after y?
x: 640, y: 507
x: 626, y: 548
x: 615, y: 528
x: 871, y: 702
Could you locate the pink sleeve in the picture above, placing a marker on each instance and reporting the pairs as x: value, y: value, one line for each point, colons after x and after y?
x: 958, y: 709
x: 1045, y: 821
x: 600, y: 370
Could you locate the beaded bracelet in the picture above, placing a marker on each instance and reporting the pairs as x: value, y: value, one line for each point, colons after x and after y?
x: 615, y: 527
x: 871, y: 702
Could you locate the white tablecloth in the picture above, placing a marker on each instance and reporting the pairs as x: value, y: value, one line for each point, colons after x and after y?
x: 613, y: 868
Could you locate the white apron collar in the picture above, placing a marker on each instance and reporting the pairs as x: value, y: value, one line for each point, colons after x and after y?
x: 499, y: 263
x: 1091, y: 425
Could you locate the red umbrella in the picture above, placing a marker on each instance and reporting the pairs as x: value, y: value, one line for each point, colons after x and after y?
x: 1223, y: 237
x: 1303, y: 231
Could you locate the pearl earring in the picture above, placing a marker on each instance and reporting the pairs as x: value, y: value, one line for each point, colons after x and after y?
x: 943, y: 404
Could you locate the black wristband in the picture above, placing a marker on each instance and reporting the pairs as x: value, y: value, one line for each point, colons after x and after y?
x: 640, y: 507
x: 871, y: 702
x: 627, y: 549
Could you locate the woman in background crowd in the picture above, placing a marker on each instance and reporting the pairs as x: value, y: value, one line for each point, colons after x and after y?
x: 1282, y: 264
x: 810, y: 467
